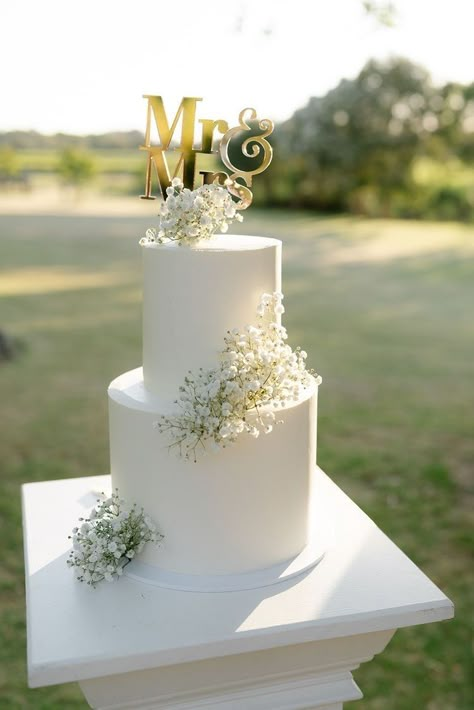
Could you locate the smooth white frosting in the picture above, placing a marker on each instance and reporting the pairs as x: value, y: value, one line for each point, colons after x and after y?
x: 192, y: 296
x: 240, y: 509
x: 237, y: 510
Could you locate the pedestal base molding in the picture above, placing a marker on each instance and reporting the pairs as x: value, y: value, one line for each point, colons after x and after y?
x: 298, y: 677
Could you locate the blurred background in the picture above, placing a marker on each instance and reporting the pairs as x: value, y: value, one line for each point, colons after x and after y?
x: 372, y: 192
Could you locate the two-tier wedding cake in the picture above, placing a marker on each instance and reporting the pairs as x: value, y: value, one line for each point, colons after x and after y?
x: 241, y: 508
x: 215, y: 436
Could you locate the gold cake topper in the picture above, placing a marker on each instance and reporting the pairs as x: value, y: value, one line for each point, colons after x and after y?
x: 243, y: 149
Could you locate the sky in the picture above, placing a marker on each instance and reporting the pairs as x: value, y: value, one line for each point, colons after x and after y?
x: 82, y: 67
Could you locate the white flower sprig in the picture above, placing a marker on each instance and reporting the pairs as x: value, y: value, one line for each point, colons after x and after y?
x: 188, y: 216
x: 258, y: 373
x: 108, y: 539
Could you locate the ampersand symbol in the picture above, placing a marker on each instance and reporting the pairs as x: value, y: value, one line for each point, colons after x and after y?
x: 247, y: 155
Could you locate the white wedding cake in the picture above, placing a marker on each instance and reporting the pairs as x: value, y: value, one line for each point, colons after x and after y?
x: 244, y: 508
x: 213, y: 440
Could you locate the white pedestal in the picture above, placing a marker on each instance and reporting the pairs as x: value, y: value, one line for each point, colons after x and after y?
x: 285, y: 647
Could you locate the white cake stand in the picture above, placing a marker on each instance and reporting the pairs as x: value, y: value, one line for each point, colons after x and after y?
x: 291, y: 645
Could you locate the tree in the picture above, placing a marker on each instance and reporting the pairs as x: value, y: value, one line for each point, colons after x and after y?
x: 359, y: 141
x: 9, y: 167
x: 76, y: 167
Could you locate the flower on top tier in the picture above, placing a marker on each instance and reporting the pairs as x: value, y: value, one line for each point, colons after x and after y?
x: 188, y: 216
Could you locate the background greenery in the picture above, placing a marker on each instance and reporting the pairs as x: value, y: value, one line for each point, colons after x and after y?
x: 388, y: 143
x: 385, y: 310
x: 360, y: 148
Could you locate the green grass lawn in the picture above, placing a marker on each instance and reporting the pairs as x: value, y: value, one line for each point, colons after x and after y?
x: 385, y: 311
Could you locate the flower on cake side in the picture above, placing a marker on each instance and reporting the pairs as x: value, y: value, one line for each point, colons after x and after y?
x: 188, y: 216
x: 258, y: 373
x: 108, y: 540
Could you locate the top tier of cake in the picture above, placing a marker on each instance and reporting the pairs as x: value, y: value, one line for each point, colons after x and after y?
x: 192, y: 296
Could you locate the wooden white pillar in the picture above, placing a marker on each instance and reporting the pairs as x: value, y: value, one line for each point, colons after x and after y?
x: 290, y: 646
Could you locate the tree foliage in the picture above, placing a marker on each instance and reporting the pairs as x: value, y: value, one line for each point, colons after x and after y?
x: 9, y: 167
x: 75, y: 167
x: 355, y: 147
x: 32, y: 140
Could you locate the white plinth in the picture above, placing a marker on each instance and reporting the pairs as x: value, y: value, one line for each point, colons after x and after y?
x: 288, y: 646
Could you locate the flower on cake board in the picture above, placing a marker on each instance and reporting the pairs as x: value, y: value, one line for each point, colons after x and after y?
x: 109, y: 539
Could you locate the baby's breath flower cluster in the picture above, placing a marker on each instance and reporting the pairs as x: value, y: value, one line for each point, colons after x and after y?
x: 108, y: 540
x: 188, y: 216
x: 258, y: 374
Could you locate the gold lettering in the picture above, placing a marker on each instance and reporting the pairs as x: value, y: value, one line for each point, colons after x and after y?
x: 243, y: 149
x: 242, y: 192
x: 254, y: 148
x: 210, y: 177
x: 149, y: 165
x: 186, y: 109
x: 156, y: 154
x: 208, y: 127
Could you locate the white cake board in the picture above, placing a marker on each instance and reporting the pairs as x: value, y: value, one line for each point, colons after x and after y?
x: 321, y: 535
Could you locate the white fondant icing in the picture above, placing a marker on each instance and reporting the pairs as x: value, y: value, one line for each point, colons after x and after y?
x: 234, y: 511
x: 192, y: 296
x: 321, y: 538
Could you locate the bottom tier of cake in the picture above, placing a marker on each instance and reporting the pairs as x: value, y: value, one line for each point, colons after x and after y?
x: 235, y: 511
